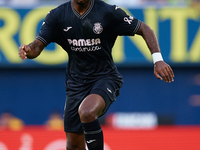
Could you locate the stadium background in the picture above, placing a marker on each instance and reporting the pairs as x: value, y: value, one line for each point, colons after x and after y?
x: 151, y: 113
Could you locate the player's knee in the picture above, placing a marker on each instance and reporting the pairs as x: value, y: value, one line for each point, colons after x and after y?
x: 86, y: 115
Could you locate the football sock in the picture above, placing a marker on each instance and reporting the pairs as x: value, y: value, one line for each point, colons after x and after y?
x: 93, y: 135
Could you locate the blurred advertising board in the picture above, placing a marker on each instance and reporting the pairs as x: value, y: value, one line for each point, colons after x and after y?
x: 162, y: 138
x: 177, y: 30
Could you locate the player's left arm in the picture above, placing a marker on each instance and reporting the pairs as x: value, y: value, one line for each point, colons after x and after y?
x: 160, y: 67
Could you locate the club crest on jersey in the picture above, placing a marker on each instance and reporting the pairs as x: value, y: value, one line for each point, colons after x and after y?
x: 97, y: 28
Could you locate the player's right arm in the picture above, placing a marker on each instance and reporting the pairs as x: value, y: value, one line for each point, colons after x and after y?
x: 48, y: 33
x: 31, y: 50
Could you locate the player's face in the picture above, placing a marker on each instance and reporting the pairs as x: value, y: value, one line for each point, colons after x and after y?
x: 82, y: 2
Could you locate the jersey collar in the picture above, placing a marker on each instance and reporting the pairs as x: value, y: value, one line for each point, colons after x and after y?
x: 87, y: 11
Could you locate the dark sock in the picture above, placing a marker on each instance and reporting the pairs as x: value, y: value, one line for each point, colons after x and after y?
x: 93, y: 135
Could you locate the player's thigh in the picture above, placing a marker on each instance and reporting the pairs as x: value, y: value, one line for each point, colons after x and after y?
x: 92, y: 105
x: 75, y: 141
x: 108, y: 90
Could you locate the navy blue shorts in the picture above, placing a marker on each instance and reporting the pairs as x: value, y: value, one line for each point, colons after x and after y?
x: 75, y: 93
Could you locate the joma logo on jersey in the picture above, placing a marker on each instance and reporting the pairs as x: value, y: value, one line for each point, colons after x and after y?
x: 83, y: 42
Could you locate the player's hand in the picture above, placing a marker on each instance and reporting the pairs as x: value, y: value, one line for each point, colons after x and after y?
x: 163, y: 71
x: 23, y: 51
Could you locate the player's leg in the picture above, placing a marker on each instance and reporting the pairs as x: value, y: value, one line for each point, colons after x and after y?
x: 102, y: 95
x: 90, y: 109
x: 75, y: 141
x: 72, y: 124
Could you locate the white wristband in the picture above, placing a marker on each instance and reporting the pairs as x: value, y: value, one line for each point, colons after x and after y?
x: 157, y: 57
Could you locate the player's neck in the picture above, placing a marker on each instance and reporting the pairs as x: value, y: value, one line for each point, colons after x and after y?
x: 81, y: 7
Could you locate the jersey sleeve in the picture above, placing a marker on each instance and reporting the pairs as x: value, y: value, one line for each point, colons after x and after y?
x: 124, y: 24
x: 48, y: 31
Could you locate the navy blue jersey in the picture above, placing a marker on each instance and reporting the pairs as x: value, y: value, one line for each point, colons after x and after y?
x: 88, y: 39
